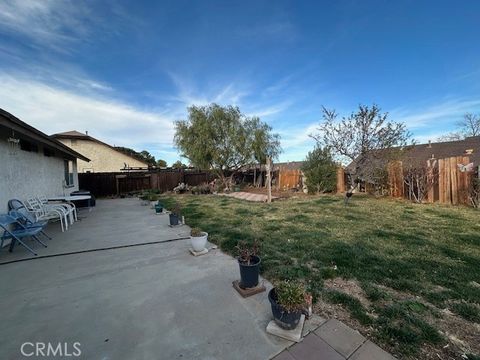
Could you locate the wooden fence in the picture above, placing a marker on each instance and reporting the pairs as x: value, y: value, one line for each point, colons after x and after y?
x: 289, y: 179
x: 108, y: 184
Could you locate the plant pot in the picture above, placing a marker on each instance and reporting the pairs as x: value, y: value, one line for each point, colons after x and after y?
x: 285, y: 319
x: 158, y: 208
x: 199, y: 242
x: 249, y: 273
x: 173, y: 219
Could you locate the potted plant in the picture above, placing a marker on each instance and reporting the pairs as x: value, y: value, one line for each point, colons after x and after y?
x: 198, y: 239
x: 288, y: 300
x: 153, y: 200
x: 175, y: 214
x: 249, y: 263
x: 158, y: 207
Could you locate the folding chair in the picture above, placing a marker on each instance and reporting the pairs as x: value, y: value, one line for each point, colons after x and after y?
x: 15, y: 231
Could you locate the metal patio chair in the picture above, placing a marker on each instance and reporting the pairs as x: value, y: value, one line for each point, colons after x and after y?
x: 15, y: 231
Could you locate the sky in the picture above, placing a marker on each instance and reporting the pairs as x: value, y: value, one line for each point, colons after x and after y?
x: 126, y: 70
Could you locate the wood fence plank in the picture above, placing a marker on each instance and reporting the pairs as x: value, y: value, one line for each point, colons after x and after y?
x: 441, y: 181
x: 453, y: 179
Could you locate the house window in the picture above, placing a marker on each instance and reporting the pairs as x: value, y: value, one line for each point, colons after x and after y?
x: 68, y: 170
x: 48, y: 152
x: 28, y: 146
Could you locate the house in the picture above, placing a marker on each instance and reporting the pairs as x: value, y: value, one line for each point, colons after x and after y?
x: 103, y: 157
x: 444, y: 170
x: 32, y: 163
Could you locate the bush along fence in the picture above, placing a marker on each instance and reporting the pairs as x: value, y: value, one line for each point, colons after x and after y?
x: 453, y: 180
x: 118, y: 183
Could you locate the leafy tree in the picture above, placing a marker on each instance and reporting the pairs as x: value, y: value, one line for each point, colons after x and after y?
x: 161, y: 163
x: 320, y: 171
x: 366, y: 138
x: 144, y: 156
x: 178, y: 165
x: 223, y: 139
x: 148, y: 158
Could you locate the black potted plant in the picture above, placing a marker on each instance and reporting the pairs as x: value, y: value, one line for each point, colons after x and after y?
x: 175, y: 214
x: 249, y: 263
x: 288, y: 300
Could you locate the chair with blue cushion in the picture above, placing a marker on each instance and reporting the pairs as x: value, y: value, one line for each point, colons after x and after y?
x: 16, y: 232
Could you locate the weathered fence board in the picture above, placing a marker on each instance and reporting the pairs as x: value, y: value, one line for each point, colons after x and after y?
x: 288, y: 179
x: 340, y: 180
x: 395, y: 178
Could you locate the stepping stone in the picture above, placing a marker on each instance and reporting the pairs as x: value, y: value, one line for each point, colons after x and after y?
x: 249, y: 291
x: 339, y: 336
x: 198, y: 253
x: 370, y: 351
x: 292, y: 335
x: 314, y: 348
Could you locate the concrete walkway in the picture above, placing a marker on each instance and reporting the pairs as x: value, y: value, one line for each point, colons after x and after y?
x: 333, y: 340
x: 248, y: 196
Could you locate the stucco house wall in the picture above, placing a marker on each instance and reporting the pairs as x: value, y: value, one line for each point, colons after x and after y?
x: 102, y: 157
x: 25, y: 174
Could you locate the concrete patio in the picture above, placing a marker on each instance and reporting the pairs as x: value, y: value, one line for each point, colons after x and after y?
x: 122, y: 283
x: 150, y: 301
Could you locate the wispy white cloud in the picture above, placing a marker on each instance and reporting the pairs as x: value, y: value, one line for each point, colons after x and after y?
x: 446, y: 113
x: 54, y: 109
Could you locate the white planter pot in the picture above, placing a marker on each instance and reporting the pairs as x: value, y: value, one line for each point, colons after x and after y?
x: 199, y: 242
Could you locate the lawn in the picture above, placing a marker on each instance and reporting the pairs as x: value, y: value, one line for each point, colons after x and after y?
x: 405, y: 275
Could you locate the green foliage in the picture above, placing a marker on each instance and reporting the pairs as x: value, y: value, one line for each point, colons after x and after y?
x: 161, y: 163
x: 290, y: 295
x: 320, y: 171
x: 178, y: 165
x: 222, y: 138
x: 196, y: 232
x: 144, y: 155
x: 468, y: 311
x: 357, y: 310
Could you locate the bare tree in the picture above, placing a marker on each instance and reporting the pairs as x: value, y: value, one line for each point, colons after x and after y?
x: 419, y: 180
x: 366, y: 138
x: 470, y: 125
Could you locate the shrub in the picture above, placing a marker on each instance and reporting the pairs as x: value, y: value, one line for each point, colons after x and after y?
x: 290, y: 295
x: 320, y: 171
x: 246, y: 251
x: 196, y: 232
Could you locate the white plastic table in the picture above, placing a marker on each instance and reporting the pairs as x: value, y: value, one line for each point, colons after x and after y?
x: 70, y: 198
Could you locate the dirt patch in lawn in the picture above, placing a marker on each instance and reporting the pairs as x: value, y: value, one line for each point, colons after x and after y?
x: 351, y: 287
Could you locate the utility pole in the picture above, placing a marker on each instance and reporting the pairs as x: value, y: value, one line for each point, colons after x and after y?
x: 269, y: 179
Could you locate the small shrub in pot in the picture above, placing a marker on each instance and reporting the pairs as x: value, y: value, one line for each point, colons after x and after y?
x: 198, y: 239
x: 175, y: 214
x: 287, y: 299
x: 249, y: 263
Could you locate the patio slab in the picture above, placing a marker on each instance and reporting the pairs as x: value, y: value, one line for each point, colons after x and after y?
x: 248, y: 196
x: 342, y: 338
x: 112, y: 223
x: 141, y: 302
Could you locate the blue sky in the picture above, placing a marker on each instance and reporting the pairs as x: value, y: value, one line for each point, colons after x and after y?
x: 125, y: 70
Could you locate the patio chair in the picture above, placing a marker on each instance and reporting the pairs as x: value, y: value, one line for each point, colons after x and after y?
x: 68, y: 206
x: 26, y: 219
x: 47, y: 213
x: 15, y: 231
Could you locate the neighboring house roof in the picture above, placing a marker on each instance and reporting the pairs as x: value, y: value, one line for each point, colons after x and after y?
x: 419, y: 154
x: 10, y: 121
x: 74, y: 134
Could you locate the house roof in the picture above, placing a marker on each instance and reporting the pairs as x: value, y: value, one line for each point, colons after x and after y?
x: 419, y: 154
x: 74, y: 134
x: 10, y: 121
